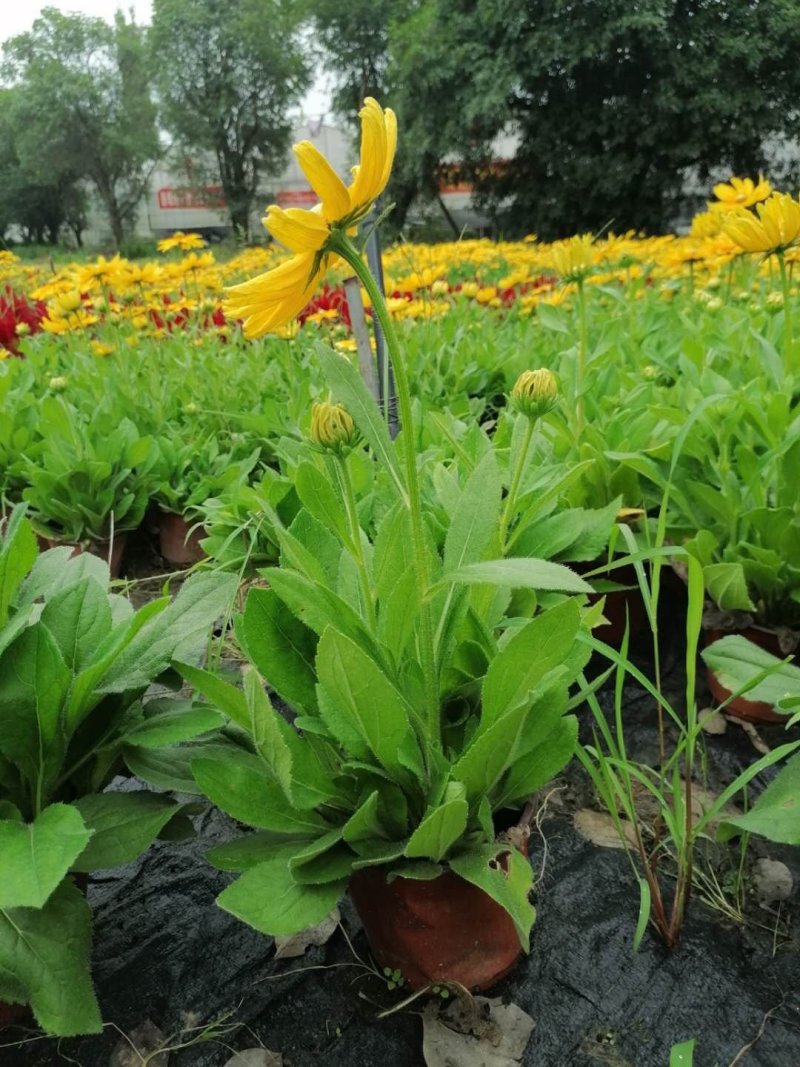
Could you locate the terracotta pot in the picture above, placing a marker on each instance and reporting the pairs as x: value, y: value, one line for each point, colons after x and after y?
x: 741, y: 707
x: 621, y: 605
x: 97, y: 548
x: 433, y: 931
x: 177, y: 544
x: 10, y: 1014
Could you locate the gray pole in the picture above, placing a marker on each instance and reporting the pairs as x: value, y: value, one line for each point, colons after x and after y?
x: 386, y: 391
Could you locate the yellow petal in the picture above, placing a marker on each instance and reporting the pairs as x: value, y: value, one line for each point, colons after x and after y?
x: 270, y: 300
x: 299, y: 230
x: 366, y: 184
x: 324, y: 180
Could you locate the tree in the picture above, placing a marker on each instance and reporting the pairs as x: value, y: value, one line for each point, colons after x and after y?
x: 39, y: 205
x: 84, y: 106
x: 611, y: 100
x: 353, y: 40
x: 228, y: 74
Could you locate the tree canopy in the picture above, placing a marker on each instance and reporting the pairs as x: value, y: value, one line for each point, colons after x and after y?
x: 228, y: 74
x: 82, y: 107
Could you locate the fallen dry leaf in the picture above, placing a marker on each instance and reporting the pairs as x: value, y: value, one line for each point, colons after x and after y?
x: 255, y: 1057
x: 288, y: 948
x: 598, y: 827
x: 713, y: 722
x: 773, y: 881
x: 140, y: 1045
x: 505, y: 1030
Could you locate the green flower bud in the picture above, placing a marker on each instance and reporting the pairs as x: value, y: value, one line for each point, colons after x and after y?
x: 58, y: 383
x: 332, y: 428
x: 535, y: 393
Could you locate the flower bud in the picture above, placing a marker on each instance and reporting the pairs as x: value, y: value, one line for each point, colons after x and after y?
x: 535, y: 393
x: 22, y: 329
x: 332, y: 428
x: 58, y: 383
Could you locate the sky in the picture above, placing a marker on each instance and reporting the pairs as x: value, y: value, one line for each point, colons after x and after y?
x: 19, y: 16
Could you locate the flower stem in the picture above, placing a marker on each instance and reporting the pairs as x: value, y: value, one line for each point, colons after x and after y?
x: 348, y: 251
x: 348, y: 496
x: 511, y: 499
x: 787, y: 313
x: 582, y: 346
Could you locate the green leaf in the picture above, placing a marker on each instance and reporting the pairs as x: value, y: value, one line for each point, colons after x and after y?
x: 348, y: 388
x: 537, y: 574
x: 441, y: 828
x: 245, y: 852
x: 476, y: 516
x: 171, y: 768
x: 252, y: 798
x: 547, y: 758
x: 551, y: 318
x: 365, y: 697
x: 364, y: 824
x: 726, y: 585
x: 266, y: 733
x: 776, y: 813
x: 506, y: 876
x: 491, y: 753
x: 44, y: 961
x: 545, y: 642
x: 180, y: 722
x: 17, y: 553
x: 33, y: 686
x: 737, y: 661
x: 269, y: 899
x: 682, y: 1055
x: 180, y: 631
x: 123, y: 825
x: 35, y: 857
x: 320, y: 498
x: 79, y: 619
x: 280, y: 646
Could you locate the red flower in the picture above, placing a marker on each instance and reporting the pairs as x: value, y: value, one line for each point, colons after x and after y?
x: 16, y: 310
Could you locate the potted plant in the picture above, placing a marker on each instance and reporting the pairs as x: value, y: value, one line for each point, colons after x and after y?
x: 88, y: 483
x: 75, y: 665
x: 735, y: 509
x: 421, y: 709
x: 186, y: 473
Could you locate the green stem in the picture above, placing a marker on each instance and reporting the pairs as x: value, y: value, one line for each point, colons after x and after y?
x: 511, y: 499
x: 341, y: 244
x: 349, y: 498
x: 787, y: 313
x: 582, y: 347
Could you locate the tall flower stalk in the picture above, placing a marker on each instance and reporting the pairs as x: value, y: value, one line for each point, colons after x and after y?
x: 316, y: 238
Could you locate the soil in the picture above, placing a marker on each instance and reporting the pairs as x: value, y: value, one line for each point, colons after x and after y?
x: 164, y: 952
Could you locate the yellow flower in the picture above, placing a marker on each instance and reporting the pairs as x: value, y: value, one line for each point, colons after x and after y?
x: 273, y: 299
x: 739, y: 193
x: 573, y: 259
x: 535, y: 392
x: 100, y: 349
x: 184, y: 241
x: 775, y: 228
x: 706, y: 224
x: 332, y: 428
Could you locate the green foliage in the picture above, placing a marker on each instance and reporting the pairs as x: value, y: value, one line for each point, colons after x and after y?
x: 82, y: 107
x: 227, y: 75
x: 75, y: 665
x: 611, y: 103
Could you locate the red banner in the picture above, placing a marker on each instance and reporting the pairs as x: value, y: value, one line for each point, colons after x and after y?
x: 209, y: 198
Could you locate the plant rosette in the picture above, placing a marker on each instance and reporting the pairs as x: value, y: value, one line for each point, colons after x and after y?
x: 75, y: 665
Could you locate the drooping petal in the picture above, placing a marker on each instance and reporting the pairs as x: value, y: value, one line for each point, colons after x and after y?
x: 274, y: 298
x: 299, y: 230
x: 324, y: 180
x: 367, y: 180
